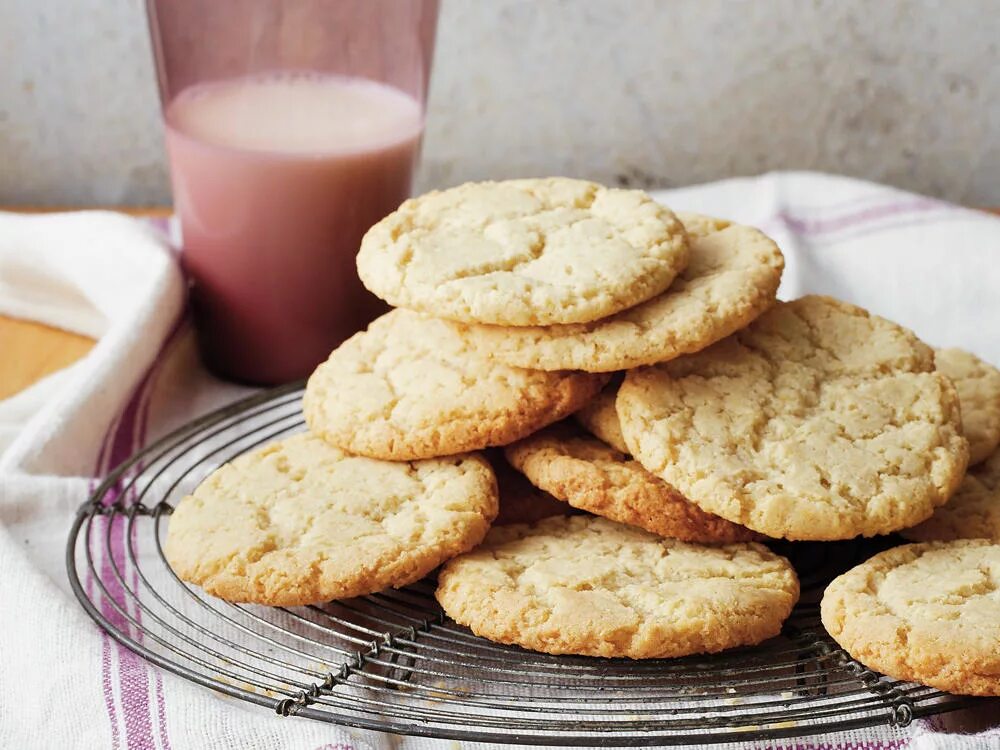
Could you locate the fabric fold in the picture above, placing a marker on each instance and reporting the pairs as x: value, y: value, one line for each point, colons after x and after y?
x: 103, y: 275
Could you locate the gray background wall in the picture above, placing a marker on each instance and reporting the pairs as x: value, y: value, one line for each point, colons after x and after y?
x: 640, y: 92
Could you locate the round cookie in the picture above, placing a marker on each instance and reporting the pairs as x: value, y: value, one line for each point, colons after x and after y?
x: 585, y: 585
x: 599, y: 417
x: 731, y: 278
x: 816, y: 422
x: 412, y: 387
x: 584, y: 472
x: 524, y: 252
x: 927, y: 613
x: 520, y: 500
x: 978, y: 386
x: 973, y: 512
x: 299, y: 521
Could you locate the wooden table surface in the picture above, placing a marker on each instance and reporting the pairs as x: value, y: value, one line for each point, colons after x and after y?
x: 29, y: 351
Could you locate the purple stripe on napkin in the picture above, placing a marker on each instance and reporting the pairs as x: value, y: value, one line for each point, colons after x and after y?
x: 848, y: 745
x: 894, y: 214
x: 133, y: 678
x: 815, y: 226
x: 161, y: 710
x: 122, y: 440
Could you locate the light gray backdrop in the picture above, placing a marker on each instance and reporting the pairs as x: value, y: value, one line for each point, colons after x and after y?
x: 640, y: 92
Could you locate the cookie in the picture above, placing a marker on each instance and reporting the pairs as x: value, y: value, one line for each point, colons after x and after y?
x: 299, y: 521
x: 520, y: 500
x: 818, y: 421
x: 600, y: 418
x: 927, y: 613
x: 973, y: 512
x: 585, y: 585
x: 524, y: 252
x: 581, y: 470
x: 731, y: 278
x: 978, y: 386
x: 411, y: 387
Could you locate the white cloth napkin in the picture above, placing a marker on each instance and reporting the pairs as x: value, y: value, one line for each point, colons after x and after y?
x: 929, y: 265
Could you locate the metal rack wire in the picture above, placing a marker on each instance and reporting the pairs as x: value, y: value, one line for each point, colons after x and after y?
x: 393, y: 662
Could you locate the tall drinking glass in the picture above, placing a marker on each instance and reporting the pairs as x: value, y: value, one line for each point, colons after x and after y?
x: 292, y: 126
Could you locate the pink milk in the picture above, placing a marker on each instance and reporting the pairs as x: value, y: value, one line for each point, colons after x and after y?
x: 276, y: 178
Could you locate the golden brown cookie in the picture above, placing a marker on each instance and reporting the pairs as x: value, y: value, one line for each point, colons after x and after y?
x: 412, y: 387
x: 590, y: 475
x: 818, y: 421
x: 929, y: 613
x: 520, y: 500
x: 731, y: 278
x: 978, y: 386
x: 973, y: 512
x: 585, y: 585
x: 524, y: 252
x: 600, y: 418
x: 299, y: 521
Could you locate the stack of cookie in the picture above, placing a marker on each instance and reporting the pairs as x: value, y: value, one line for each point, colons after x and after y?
x: 930, y: 612
x: 734, y: 419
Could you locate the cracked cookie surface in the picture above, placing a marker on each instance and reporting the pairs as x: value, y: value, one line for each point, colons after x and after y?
x: 973, y: 512
x: 299, y: 521
x: 978, y: 386
x: 592, y: 476
x: 524, y: 252
x: 818, y: 421
x: 412, y: 387
x: 584, y: 585
x: 929, y: 613
x: 732, y: 275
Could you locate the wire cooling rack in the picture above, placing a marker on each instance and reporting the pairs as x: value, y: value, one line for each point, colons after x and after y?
x: 393, y: 662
